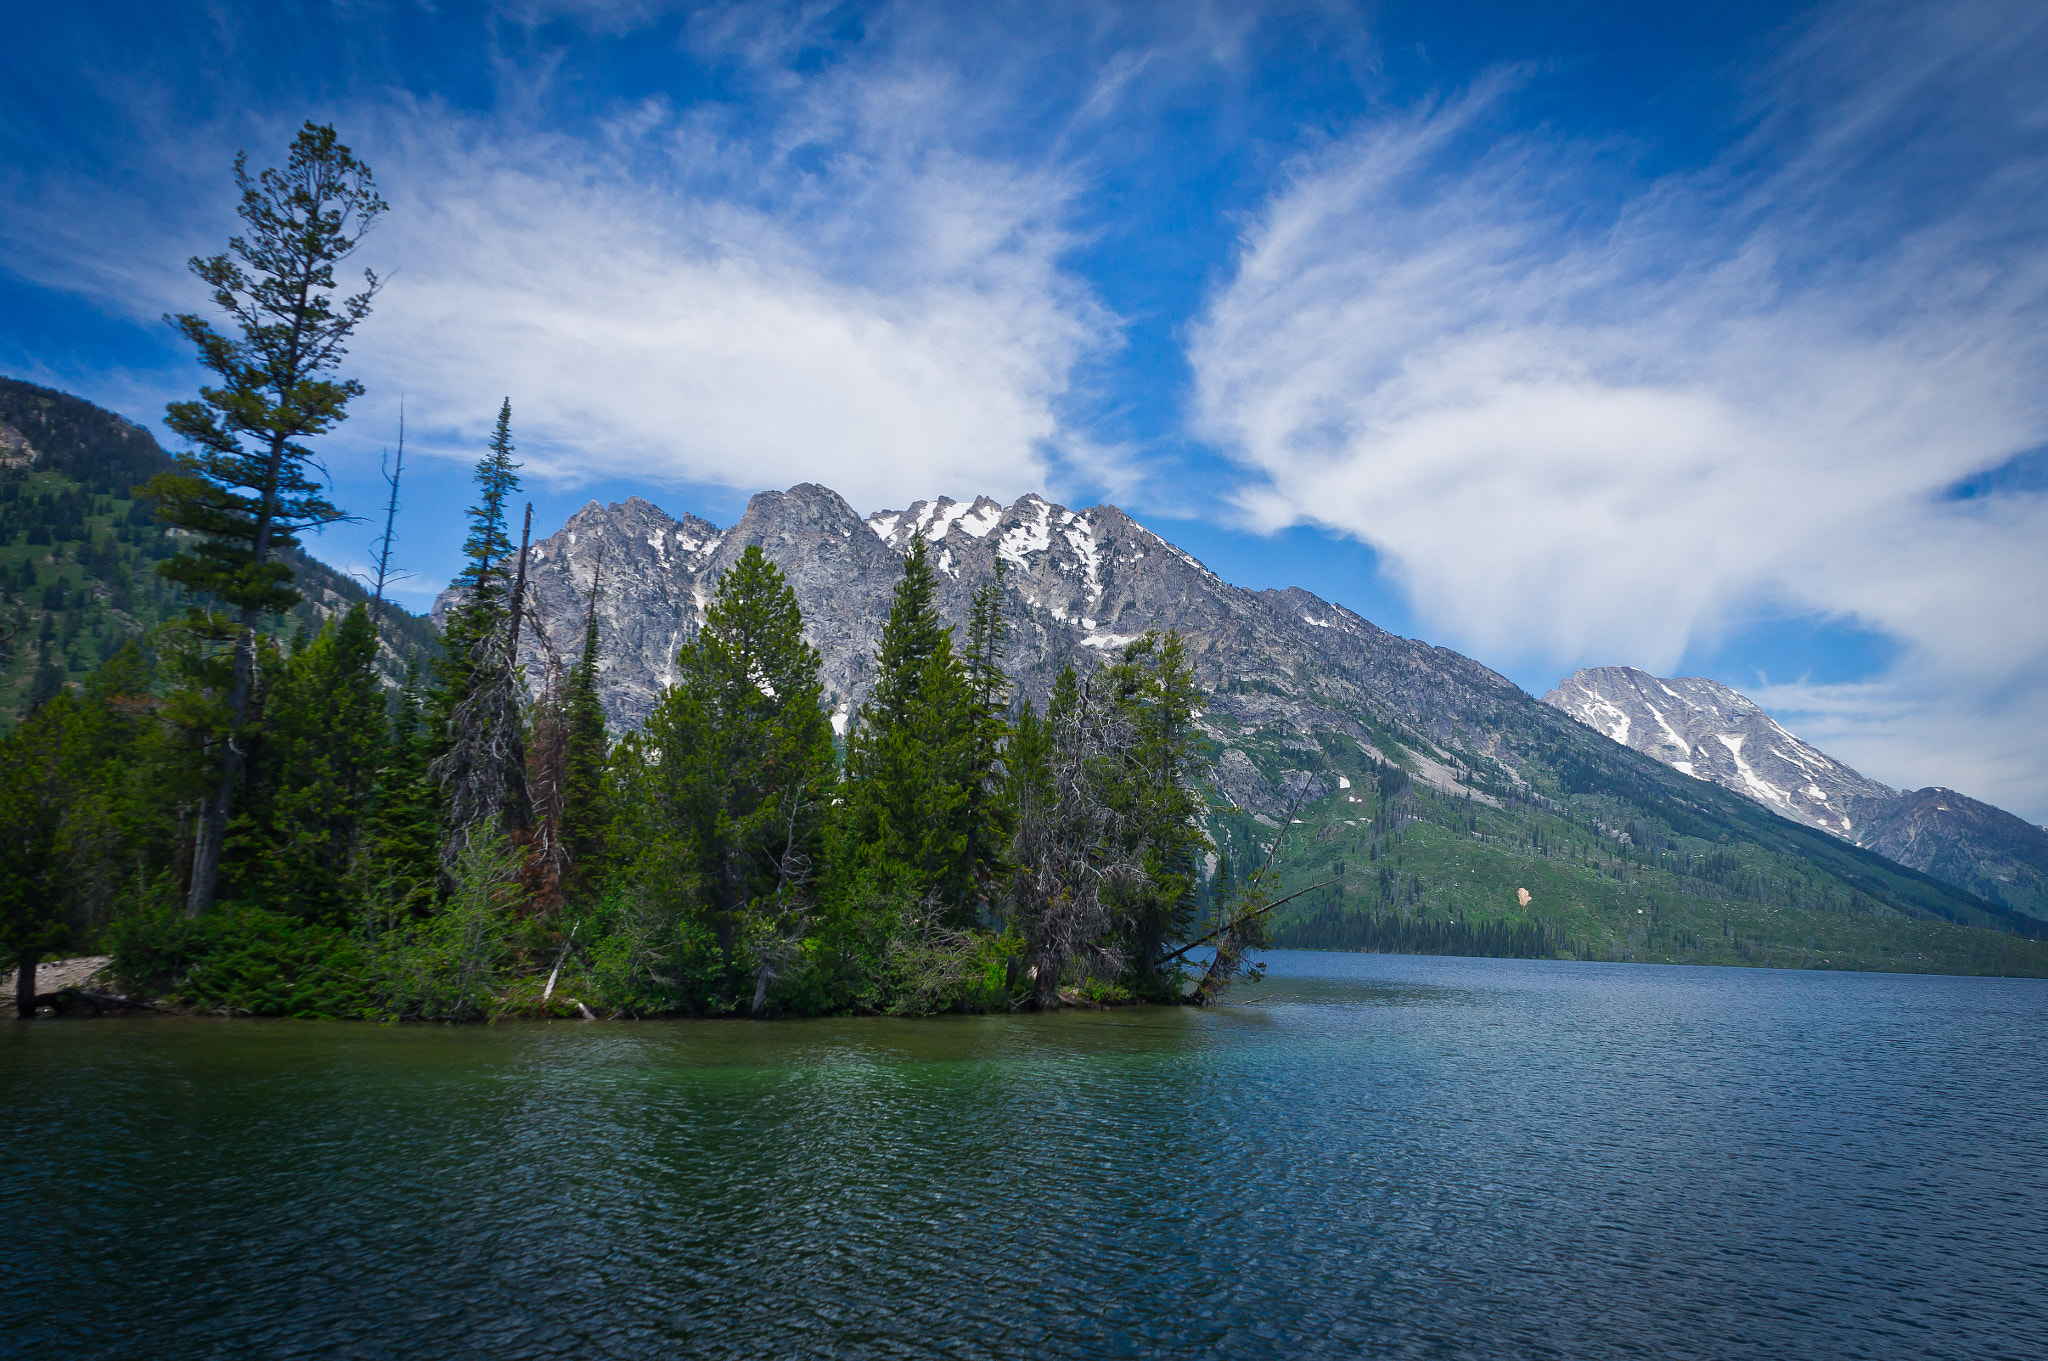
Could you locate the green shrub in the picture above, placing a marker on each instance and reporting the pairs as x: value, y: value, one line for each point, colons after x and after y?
x: 241, y: 959
x: 453, y: 965
x: 647, y: 957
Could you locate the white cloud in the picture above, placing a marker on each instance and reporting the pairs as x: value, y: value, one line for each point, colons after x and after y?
x: 1578, y: 436
x: 652, y: 331
x: 833, y: 293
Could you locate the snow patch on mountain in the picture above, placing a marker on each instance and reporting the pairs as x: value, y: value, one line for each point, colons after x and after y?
x: 1704, y: 729
x: 1025, y: 541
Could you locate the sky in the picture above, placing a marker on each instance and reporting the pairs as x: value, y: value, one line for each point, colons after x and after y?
x: 1705, y: 339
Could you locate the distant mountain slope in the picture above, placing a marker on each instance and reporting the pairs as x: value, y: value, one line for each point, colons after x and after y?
x: 1303, y: 692
x: 1703, y: 728
x: 78, y: 553
x: 1706, y: 730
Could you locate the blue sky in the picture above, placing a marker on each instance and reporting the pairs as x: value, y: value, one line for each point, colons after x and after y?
x: 1705, y: 339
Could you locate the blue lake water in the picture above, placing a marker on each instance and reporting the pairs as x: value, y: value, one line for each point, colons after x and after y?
x: 1360, y: 1156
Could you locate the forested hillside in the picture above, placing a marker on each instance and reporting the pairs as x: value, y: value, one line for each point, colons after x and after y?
x: 1397, y: 866
x: 78, y: 551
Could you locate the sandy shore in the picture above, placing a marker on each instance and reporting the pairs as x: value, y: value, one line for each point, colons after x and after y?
x: 53, y: 974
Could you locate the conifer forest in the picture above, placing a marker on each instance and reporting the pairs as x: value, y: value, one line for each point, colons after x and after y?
x: 256, y: 825
x: 270, y: 791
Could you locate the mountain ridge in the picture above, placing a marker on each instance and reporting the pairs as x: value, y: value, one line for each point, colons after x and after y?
x: 1441, y: 803
x: 1304, y: 693
x: 78, y: 551
x: 1712, y: 732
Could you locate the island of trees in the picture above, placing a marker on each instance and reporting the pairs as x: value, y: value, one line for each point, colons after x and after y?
x: 256, y: 826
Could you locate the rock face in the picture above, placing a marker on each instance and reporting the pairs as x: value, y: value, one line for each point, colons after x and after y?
x: 1961, y: 841
x: 1286, y: 670
x: 1711, y: 732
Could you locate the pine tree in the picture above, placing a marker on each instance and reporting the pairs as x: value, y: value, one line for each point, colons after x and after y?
x: 912, y: 777
x: 584, y: 807
x: 990, y: 814
x: 1108, y: 845
x: 244, y: 488
x: 314, y: 777
x: 1157, y: 793
x: 88, y: 783
x: 721, y: 797
x: 480, y: 761
x: 406, y: 834
x: 566, y: 749
x: 482, y: 772
x: 1069, y: 857
x: 485, y: 581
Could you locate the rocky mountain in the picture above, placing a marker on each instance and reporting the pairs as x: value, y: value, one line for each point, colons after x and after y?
x: 1705, y: 729
x: 1440, y: 797
x: 1303, y: 693
x: 1284, y: 665
x: 1708, y: 731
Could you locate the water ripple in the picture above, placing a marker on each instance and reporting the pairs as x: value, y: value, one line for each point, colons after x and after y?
x: 1361, y: 1156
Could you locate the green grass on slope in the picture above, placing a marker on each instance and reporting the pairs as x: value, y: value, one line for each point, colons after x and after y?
x: 1417, y: 870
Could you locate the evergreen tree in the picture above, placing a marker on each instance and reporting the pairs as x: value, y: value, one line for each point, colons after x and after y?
x: 990, y: 813
x: 1069, y: 857
x: 482, y: 773
x: 586, y: 748
x: 911, y: 772
x: 406, y: 835
x: 87, y: 787
x: 566, y: 750
x: 721, y: 797
x: 481, y: 762
x: 484, y: 584
x: 32, y: 798
x: 1108, y: 844
x: 315, y: 775
x: 1156, y: 790
x: 244, y: 488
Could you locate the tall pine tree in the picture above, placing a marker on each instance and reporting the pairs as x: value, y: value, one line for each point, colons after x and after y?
x: 990, y: 812
x: 911, y: 775
x: 722, y: 795
x: 1156, y: 792
x: 585, y: 810
x: 406, y: 840
x: 244, y: 488
x: 482, y: 767
x: 484, y: 585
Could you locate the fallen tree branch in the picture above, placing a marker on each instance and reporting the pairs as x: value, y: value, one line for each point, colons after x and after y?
x: 557, y: 971
x: 1236, y: 922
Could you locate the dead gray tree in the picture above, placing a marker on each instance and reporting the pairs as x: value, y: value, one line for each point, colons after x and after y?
x: 484, y: 769
x: 1070, y: 847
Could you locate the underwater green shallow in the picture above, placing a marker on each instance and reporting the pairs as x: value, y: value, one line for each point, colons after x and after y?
x: 1362, y: 1155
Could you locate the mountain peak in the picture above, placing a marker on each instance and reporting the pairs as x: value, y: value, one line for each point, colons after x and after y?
x: 1711, y: 732
x: 1715, y: 733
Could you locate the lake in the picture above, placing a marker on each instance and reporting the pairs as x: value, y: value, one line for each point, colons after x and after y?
x: 1359, y: 1156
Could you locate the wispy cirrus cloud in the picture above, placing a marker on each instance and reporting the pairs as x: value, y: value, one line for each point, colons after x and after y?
x: 1589, y: 417
x: 827, y: 288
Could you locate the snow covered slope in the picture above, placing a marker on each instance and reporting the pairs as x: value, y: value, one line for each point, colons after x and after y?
x: 1711, y: 732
